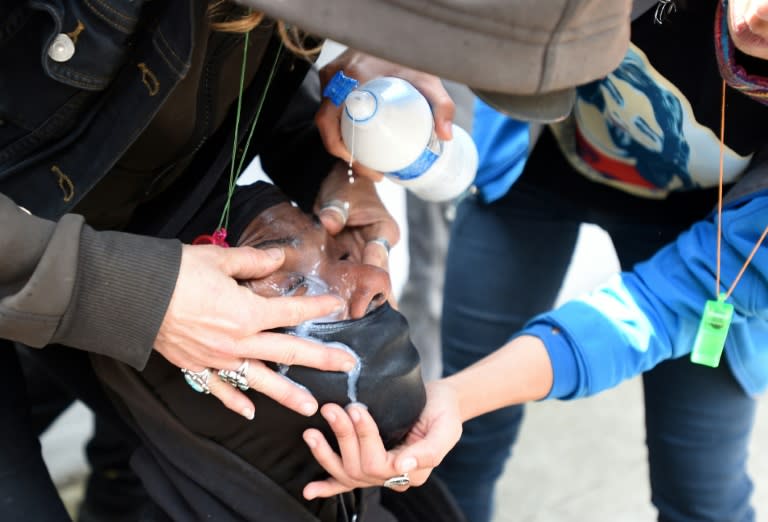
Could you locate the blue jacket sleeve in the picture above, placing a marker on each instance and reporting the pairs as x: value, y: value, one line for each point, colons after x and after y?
x: 651, y: 314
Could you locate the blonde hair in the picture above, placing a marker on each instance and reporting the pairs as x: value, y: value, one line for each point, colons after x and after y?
x: 228, y: 18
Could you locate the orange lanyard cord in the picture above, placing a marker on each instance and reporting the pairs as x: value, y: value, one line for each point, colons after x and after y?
x: 746, y: 263
x: 720, y: 213
x: 720, y: 191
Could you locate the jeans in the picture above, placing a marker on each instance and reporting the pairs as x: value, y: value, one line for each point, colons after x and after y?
x: 428, y: 228
x: 422, y: 297
x: 26, y: 489
x: 506, y: 262
x: 55, y: 377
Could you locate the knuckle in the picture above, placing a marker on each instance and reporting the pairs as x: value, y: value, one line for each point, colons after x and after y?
x: 282, y: 394
x: 344, y: 431
x: 330, y: 133
x: 297, y: 313
x: 321, y: 117
x: 445, y: 101
x: 368, y: 430
x: 355, y: 476
x: 347, y: 483
x: 368, y: 467
x: 431, y: 460
x: 355, y: 480
x: 290, y: 355
x: 336, y: 146
x: 216, y: 389
x: 392, y: 231
x: 228, y: 259
x: 257, y: 380
x: 326, y: 358
x: 223, y: 351
x: 224, y: 348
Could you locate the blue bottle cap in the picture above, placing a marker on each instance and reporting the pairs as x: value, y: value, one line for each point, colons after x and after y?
x: 339, y: 87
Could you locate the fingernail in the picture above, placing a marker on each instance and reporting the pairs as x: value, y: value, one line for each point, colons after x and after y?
x: 311, y: 442
x: 348, y: 366
x: 407, y: 465
x: 308, y: 408
x: 739, y: 23
x: 448, y: 129
x: 330, y: 416
x: 354, y: 414
x: 248, y: 413
x: 275, y: 253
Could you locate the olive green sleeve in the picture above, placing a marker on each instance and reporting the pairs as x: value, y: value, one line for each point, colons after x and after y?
x: 65, y: 283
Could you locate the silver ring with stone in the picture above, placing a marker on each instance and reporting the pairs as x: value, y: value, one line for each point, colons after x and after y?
x: 198, y: 381
x: 338, y: 206
x: 236, y: 378
x: 399, y: 481
x: 383, y: 242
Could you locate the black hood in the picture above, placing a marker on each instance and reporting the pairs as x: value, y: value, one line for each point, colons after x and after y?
x: 390, y: 385
x: 389, y: 382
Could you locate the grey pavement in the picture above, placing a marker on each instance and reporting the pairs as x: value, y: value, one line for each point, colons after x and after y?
x: 577, y: 461
x: 585, y: 461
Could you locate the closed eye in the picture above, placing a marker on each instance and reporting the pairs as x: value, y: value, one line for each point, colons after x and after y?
x: 296, y: 283
x: 277, y: 242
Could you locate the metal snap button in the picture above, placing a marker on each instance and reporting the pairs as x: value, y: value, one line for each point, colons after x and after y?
x: 62, y: 48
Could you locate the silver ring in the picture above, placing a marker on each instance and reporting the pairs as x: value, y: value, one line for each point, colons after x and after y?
x: 198, y: 381
x: 399, y: 481
x: 236, y: 378
x: 338, y: 206
x: 381, y: 241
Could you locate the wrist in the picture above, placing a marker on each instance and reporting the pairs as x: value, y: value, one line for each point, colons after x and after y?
x: 518, y: 372
x: 124, y: 285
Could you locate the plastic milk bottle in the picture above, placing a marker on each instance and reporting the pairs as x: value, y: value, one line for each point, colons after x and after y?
x: 387, y: 125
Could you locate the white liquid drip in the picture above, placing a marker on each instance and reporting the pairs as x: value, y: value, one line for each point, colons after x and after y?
x: 353, y: 376
x: 316, y: 286
x: 350, y: 172
x: 282, y: 369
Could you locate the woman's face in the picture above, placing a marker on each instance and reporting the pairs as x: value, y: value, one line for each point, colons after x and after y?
x: 748, y: 25
x: 315, y: 262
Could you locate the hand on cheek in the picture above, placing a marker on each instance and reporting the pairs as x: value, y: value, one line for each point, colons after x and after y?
x: 362, y: 460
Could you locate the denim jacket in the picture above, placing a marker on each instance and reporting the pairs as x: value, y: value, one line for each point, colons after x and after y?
x: 80, y: 80
x: 56, y: 117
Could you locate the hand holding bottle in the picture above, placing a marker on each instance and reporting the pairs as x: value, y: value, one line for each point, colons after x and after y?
x: 363, y: 68
x: 387, y: 125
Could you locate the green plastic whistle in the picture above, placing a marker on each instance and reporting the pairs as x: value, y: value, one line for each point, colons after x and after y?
x: 713, y: 330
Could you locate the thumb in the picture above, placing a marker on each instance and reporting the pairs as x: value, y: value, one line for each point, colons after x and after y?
x: 444, y: 111
x: 443, y: 126
x: 332, y: 220
x: 420, y: 455
x: 429, y: 451
x: 250, y: 263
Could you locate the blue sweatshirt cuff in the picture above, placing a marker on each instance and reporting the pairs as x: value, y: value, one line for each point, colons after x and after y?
x: 564, y: 364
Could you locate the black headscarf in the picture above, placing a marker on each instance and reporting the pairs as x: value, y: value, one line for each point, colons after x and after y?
x: 389, y: 382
